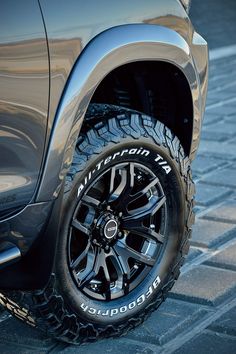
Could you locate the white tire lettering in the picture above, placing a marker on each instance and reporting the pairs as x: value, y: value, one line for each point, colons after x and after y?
x: 114, y: 312
x: 99, y: 165
x: 163, y: 164
x: 116, y: 154
x: 81, y: 187
x: 84, y: 307
x: 140, y: 299
x: 156, y: 282
x: 149, y: 292
x: 132, y: 151
x: 167, y: 169
x: 107, y: 160
x: 158, y: 158
x: 139, y: 151
x: 92, y: 311
x: 132, y: 305
x: 105, y: 313
x: 123, y: 309
x: 123, y: 152
x: 145, y: 152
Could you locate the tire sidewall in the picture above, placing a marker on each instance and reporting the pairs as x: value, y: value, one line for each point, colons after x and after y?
x: 138, y: 300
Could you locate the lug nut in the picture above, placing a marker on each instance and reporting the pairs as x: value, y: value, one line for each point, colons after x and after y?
x: 120, y: 214
x: 107, y: 248
x: 120, y: 235
x: 95, y: 241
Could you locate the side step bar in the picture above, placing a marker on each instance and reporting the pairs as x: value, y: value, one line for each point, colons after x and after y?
x: 9, y: 256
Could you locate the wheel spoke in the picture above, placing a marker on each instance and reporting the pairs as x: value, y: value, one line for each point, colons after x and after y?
x: 90, y: 271
x: 102, y: 263
x: 144, y: 191
x: 112, y: 179
x: 90, y: 201
x: 122, y: 269
x: 115, y: 194
x: 126, y: 252
x: 78, y: 226
x: 95, y: 261
x: 78, y: 260
x: 125, y: 186
x: 147, y: 233
x: 122, y: 264
x: 139, y: 214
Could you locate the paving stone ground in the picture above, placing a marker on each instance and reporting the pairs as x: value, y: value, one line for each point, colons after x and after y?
x: 199, y: 316
x: 215, y: 20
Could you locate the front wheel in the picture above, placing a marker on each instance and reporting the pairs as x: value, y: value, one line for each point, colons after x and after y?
x: 127, y: 216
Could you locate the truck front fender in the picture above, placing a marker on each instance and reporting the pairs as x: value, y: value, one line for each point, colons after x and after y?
x: 110, y: 49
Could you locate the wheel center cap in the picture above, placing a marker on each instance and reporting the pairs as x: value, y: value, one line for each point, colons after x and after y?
x: 110, y: 229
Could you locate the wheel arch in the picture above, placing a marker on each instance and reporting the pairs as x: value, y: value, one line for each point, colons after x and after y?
x: 109, y: 50
x: 156, y: 88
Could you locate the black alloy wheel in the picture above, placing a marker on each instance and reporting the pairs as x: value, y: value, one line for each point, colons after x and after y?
x: 117, y: 231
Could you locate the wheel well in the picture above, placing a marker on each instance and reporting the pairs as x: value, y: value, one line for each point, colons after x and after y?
x: 158, y: 89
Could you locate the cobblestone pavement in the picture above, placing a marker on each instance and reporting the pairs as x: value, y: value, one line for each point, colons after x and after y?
x: 215, y: 20
x: 199, y: 316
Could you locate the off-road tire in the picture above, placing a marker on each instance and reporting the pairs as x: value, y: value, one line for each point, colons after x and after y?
x: 55, y: 309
